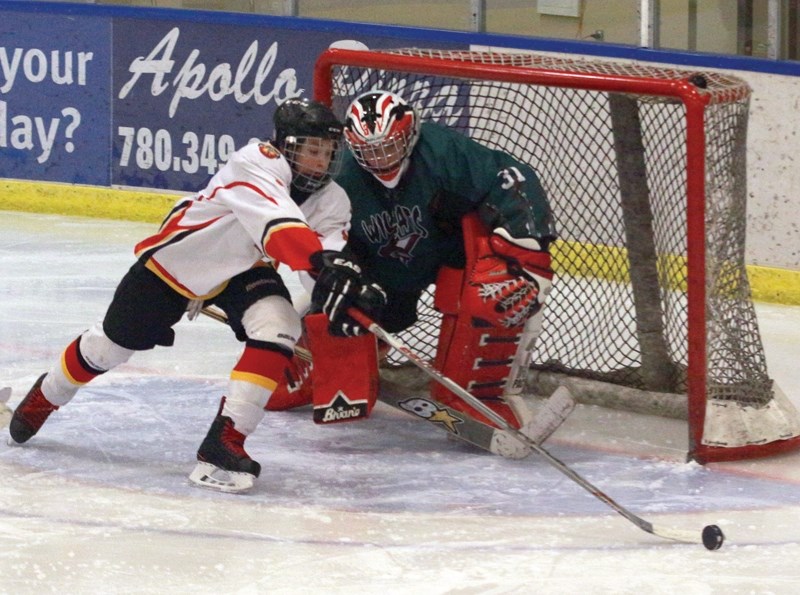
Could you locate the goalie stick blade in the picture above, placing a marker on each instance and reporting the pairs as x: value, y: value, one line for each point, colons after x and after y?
x: 552, y: 412
x: 550, y: 415
x: 548, y: 419
x: 507, y: 446
x: 209, y: 476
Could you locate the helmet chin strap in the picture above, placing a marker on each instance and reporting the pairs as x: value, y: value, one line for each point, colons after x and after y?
x: 391, y: 180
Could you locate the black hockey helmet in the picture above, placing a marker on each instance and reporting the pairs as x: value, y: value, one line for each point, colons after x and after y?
x: 300, y: 122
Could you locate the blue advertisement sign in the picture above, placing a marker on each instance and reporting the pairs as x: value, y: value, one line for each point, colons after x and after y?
x: 186, y: 95
x: 187, y: 90
x: 54, y: 98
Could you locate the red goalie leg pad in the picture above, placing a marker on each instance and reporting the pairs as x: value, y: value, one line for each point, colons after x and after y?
x: 472, y: 351
x: 344, y: 374
x: 478, y: 359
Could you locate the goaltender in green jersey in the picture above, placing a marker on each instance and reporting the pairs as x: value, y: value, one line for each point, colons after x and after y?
x: 430, y: 205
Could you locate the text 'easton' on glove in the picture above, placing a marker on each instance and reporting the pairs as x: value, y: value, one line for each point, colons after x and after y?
x: 339, y: 286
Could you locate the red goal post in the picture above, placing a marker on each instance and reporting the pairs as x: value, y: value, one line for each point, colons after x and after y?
x: 645, y: 168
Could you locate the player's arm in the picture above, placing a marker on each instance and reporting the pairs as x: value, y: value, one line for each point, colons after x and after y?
x: 519, y: 246
x: 516, y: 202
x: 504, y: 191
x: 338, y: 281
x: 254, y: 187
x: 331, y: 216
x: 328, y: 212
x: 259, y: 198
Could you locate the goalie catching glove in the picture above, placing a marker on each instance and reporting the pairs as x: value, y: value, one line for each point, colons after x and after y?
x: 512, y: 280
x: 340, y: 286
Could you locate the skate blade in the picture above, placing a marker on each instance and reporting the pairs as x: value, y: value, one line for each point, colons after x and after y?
x: 206, y: 475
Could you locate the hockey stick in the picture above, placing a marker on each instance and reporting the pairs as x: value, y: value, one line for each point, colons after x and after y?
x: 552, y: 413
x: 711, y: 536
x: 549, y: 417
x: 215, y: 313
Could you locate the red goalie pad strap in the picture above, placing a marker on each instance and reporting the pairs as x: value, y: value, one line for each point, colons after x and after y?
x: 344, y: 375
x: 478, y: 359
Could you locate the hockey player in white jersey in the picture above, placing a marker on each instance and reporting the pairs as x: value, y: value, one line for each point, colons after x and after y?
x: 271, y: 203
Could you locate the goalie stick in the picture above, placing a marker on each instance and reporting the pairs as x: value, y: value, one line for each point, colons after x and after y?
x: 549, y: 417
x: 711, y: 536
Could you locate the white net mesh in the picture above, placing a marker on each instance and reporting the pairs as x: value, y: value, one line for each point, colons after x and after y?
x: 616, y: 170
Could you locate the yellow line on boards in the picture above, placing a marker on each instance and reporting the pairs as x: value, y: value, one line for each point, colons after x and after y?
x: 767, y: 284
x: 84, y: 201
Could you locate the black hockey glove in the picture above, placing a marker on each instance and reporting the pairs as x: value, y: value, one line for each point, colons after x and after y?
x: 339, y: 286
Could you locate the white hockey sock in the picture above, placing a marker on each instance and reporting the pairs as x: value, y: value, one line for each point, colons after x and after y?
x: 56, y: 388
x: 244, y: 404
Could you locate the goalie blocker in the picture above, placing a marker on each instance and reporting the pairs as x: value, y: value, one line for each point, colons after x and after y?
x: 341, y: 345
x: 339, y: 396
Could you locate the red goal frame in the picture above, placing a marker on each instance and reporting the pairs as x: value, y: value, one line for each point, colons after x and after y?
x: 695, y: 98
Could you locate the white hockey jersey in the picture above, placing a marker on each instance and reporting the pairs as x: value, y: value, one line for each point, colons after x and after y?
x: 244, y: 215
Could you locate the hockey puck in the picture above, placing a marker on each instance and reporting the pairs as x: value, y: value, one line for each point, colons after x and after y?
x: 713, y: 537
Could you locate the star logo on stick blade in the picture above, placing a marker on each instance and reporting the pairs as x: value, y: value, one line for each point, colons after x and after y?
x: 432, y: 412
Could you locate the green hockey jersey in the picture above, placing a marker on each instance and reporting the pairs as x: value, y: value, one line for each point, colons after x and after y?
x: 402, y: 236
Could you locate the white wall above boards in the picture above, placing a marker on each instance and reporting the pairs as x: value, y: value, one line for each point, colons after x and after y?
x: 561, y: 8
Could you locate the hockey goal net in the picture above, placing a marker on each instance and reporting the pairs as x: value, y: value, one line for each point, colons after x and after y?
x: 644, y: 168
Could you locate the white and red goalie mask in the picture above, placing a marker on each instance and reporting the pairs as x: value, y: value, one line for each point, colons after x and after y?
x: 381, y: 130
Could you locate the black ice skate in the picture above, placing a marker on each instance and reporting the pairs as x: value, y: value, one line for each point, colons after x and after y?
x: 30, y: 414
x: 223, y: 463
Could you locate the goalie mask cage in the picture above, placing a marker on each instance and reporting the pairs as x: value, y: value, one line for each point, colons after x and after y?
x: 645, y: 170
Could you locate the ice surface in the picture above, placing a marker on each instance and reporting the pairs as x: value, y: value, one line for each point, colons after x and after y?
x: 99, y: 501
